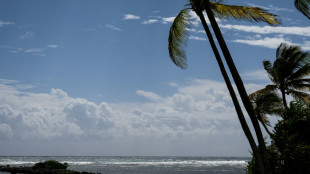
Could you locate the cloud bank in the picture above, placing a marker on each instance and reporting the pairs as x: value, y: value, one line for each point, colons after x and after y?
x: 202, y: 108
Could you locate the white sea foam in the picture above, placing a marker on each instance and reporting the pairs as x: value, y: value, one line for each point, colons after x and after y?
x: 181, y: 163
x: 78, y: 162
x: 15, y: 162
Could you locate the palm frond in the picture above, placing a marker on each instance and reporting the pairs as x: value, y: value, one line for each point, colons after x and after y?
x: 299, y: 85
x: 303, y: 6
x: 178, y: 35
x: 264, y: 119
x: 280, y: 50
x: 268, y: 88
x: 269, y: 69
x: 252, y: 14
x: 300, y: 73
x: 299, y: 95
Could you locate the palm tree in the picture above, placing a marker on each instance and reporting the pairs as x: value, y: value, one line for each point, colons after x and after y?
x: 303, y: 6
x: 266, y: 102
x: 176, y: 50
x: 260, y: 16
x: 177, y: 37
x: 290, y: 72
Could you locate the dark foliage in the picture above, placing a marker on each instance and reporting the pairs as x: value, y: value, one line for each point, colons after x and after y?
x: 51, y: 164
x: 290, y: 146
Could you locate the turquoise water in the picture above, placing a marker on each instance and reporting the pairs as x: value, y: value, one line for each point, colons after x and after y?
x: 142, y: 165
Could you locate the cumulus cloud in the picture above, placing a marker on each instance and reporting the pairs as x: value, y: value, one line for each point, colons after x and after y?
x: 130, y: 17
x: 56, y: 115
x: 198, y: 108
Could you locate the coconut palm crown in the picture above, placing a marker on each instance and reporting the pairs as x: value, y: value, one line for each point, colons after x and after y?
x: 290, y: 72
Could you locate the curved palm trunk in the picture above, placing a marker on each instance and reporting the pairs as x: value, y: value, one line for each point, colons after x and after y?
x: 241, y: 117
x: 240, y: 86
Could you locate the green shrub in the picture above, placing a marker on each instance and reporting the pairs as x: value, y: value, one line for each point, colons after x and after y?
x: 50, y: 164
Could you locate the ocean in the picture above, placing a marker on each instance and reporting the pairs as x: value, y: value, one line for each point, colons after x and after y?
x: 140, y: 164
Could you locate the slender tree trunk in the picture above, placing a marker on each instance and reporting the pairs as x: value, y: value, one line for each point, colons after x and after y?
x: 240, y: 86
x: 284, y: 98
x: 238, y: 109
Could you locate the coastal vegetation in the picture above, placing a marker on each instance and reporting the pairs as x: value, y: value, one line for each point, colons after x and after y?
x: 50, y: 167
x: 289, y: 74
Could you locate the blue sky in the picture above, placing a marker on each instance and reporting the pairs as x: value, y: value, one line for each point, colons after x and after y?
x: 94, y: 77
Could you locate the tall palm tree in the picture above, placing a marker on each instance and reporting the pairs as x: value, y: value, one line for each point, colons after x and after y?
x: 303, y: 6
x: 177, y: 38
x: 176, y: 50
x: 262, y: 16
x: 289, y: 72
x: 266, y: 102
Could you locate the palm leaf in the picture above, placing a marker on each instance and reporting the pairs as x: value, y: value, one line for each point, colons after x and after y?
x: 178, y: 35
x: 300, y: 73
x: 300, y: 86
x: 299, y: 95
x: 303, y: 6
x: 264, y: 119
x: 268, y: 88
x: 252, y: 14
x: 270, y: 71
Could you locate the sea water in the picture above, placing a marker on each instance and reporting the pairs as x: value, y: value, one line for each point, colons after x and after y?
x: 141, y: 164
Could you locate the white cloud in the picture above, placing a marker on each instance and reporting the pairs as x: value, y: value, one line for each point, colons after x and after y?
x: 168, y: 20
x: 256, y: 75
x: 2, y: 23
x: 52, y: 46
x: 271, y: 42
x: 27, y: 35
x: 267, y: 42
x: 130, y: 16
x: 56, y: 115
x: 200, y: 111
x: 149, y: 95
x: 197, y: 38
x: 301, y: 31
x: 112, y: 27
x: 150, y: 21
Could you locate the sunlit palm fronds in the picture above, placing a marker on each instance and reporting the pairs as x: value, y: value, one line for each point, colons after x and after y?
x: 252, y: 14
x: 178, y: 35
x: 303, y: 6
